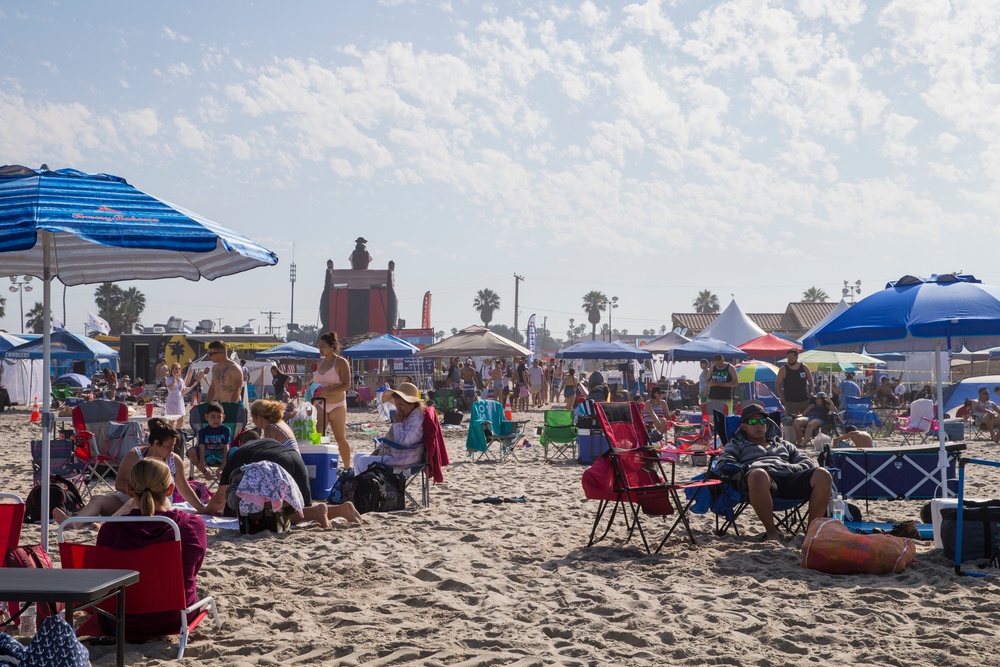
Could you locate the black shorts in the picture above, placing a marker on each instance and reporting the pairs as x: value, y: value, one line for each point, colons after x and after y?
x: 796, y: 485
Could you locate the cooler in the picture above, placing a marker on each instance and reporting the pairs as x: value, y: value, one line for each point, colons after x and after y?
x: 894, y: 473
x: 591, y: 443
x: 321, y: 464
x: 954, y: 429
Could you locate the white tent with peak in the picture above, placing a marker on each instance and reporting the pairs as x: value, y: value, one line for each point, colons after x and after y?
x: 732, y: 326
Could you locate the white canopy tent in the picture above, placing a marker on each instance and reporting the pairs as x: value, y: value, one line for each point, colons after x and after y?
x: 732, y: 326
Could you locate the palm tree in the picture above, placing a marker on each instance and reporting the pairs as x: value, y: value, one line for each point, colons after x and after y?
x: 34, y: 320
x: 594, y: 303
x: 486, y: 302
x: 132, y: 305
x: 3, y: 304
x: 815, y: 295
x: 706, y: 302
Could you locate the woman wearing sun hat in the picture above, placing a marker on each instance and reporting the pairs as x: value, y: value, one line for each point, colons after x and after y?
x: 407, y: 430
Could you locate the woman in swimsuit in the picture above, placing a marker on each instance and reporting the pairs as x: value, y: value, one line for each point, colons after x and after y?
x: 269, y: 417
x: 334, y: 374
x: 162, y: 439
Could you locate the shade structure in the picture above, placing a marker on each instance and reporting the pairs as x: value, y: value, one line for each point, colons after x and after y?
x: 665, y: 343
x: 64, y: 345
x: 968, y: 389
x: 768, y: 346
x: 599, y: 349
x: 293, y: 349
x: 943, y: 312
x: 732, y: 326
x: 94, y: 228
x: 756, y: 371
x: 837, y: 310
x: 829, y: 360
x: 705, y: 348
x: 74, y: 380
x: 8, y: 341
x: 474, y: 341
x: 383, y: 347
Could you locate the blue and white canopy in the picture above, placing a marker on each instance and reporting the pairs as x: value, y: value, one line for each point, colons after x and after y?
x: 290, y: 350
x: 383, y: 347
x: 65, y: 345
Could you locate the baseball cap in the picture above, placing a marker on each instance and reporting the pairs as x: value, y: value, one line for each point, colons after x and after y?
x: 752, y: 410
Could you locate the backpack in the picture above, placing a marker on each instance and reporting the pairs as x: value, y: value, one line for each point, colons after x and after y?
x: 34, y: 557
x: 343, y: 488
x: 62, y: 494
x: 379, y: 489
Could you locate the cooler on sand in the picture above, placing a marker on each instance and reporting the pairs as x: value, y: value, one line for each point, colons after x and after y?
x: 321, y: 464
x: 591, y: 443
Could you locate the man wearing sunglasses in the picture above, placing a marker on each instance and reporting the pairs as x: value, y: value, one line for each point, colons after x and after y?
x: 774, y: 467
x: 227, y: 376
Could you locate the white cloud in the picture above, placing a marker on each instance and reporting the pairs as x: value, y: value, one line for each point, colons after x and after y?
x: 843, y: 13
x: 51, y: 67
x: 895, y: 146
x: 139, y: 122
x: 179, y: 69
x: 189, y: 135
x: 650, y: 19
x: 167, y: 33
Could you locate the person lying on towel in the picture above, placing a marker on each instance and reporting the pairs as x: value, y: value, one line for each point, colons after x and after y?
x: 774, y: 467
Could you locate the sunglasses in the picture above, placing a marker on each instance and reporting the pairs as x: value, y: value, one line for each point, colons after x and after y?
x: 756, y: 421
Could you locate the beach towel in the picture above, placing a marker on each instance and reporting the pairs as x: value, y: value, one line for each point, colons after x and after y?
x: 266, y: 481
x: 831, y: 547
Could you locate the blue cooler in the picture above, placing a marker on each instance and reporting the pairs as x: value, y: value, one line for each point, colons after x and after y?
x: 591, y: 443
x: 321, y: 464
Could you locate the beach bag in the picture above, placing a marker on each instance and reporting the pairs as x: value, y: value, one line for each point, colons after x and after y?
x: 832, y: 548
x: 453, y: 417
x: 343, y: 488
x: 304, y: 423
x: 55, y: 645
x: 62, y: 494
x: 251, y: 523
x: 980, y: 530
x: 200, y: 489
x: 379, y: 489
x: 32, y: 557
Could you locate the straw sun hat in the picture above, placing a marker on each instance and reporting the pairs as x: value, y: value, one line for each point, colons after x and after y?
x: 406, y: 391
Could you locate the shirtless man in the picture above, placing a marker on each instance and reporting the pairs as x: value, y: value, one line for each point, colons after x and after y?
x: 854, y: 438
x: 227, y: 376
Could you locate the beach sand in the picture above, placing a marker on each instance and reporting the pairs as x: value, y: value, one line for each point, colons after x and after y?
x: 514, y: 584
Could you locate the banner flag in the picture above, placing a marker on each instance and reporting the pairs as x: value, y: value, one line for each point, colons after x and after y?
x: 532, y: 341
x: 97, y: 324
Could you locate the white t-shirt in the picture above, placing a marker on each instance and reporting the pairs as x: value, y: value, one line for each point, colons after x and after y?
x: 535, y: 375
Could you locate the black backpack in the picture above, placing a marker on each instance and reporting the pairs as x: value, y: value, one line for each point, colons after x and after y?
x: 378, y: 489
x: 62, y: 494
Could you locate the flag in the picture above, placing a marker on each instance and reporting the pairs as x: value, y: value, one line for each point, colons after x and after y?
x: 531, y: 338
x: 97, y: 324
x: 57, y: 325
x: 425, y: 312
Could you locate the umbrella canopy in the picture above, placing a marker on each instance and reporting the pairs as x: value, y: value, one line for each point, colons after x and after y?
x: 664, y: 344
x: 768, y: 346
x: 74, y: 380
x: 828, y: 360
x: 64, y: 345
x: 598, y: 349
x: 706, y: 348
x: 8, y: 341
x: 916, y: 314
x: 383, y: 347
x: 756, y: 371
x: 474, y: 341
x: 290, y: 350
x: 94, y: 228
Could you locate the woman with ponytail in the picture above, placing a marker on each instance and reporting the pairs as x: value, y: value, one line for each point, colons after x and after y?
x: 150, y: 487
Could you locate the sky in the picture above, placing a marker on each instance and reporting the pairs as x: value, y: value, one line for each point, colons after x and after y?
x: 647, y: 150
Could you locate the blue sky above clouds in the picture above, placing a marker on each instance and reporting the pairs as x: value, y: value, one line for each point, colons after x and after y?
x: 647, y: 150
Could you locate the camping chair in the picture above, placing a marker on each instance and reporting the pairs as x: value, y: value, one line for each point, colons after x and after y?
x: 920, y: 422
x: 560, y: 432
x: 61, y: 392
x: 365, y: 395
x: 234, y: 416
x: 731, y: 500
x: 858, y: 412
x: 488, y: 426
x: 62, y: 462
x: 11, y: 520
x: 630, y: 478
x: 161, y: 575
x: 433, y: 438
x: 103, y: 435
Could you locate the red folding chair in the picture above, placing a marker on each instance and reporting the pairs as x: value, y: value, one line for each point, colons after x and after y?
x: 91, y: 421
x: 11, y: 520
x: 161, y: 576
x: 630, y: 477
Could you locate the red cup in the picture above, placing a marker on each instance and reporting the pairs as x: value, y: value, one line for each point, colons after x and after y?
x: 149, y: 409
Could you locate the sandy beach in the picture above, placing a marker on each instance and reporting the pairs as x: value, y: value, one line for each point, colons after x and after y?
x: 513, y: 584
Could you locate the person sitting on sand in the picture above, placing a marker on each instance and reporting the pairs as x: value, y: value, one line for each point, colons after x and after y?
x: 268, y: 449
x: 774, y: 467
x: 162, y: 440
x: 854, y: 437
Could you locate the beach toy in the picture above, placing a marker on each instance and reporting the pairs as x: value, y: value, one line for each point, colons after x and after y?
x: 36, y: 416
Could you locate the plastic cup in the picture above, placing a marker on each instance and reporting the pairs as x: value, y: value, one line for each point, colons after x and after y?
x: 149, y: 409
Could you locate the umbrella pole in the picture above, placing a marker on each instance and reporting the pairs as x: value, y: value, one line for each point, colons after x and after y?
x: 46, y: 386
x: 942, y: 451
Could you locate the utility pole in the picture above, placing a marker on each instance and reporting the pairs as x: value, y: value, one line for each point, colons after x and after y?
x: 517, y: 284
x: 270, y: 316
x: 545, y: 332
x: 291, y: 276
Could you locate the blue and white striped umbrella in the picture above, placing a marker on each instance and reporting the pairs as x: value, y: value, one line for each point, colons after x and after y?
x: 94, y: 228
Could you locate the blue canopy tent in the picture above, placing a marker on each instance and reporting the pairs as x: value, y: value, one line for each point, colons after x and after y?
x: 85, y: 228
x: 8, y: 341
x: 599, y: 349
x: 705, y: 348
x: 66, y: 347
x: 290, y: 350
x: 383, y: 347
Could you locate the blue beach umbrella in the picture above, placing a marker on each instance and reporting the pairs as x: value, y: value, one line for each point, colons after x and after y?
x: 94, y: 228
x: 705, y: 348
x: 943, y: 312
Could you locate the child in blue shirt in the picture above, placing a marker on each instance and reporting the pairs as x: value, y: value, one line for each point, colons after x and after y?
x: 213, y: 441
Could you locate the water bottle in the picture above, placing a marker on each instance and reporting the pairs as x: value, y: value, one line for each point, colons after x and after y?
x: 838, y: 508
x: 27, y: 621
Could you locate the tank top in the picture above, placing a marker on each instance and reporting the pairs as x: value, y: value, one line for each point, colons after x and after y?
x: 795, y: 385
x: 170, y: 461
x: 720, y: 375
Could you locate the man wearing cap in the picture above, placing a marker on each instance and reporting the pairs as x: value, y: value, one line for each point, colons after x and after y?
x: 774, y: 468
x: 722, y: 381
x: 794, y: 385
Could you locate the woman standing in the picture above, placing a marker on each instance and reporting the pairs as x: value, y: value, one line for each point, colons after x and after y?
x: 175, y: 395
x: 334, y: 374
x: 570, y: 381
